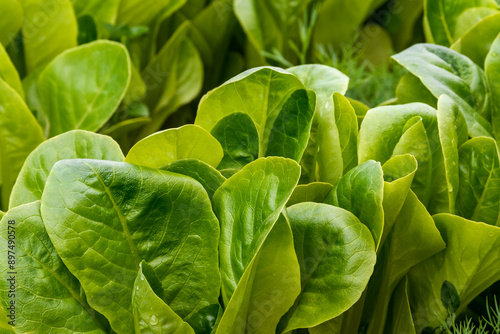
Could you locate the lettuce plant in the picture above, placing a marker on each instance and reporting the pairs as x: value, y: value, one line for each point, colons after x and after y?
x: 285, y: 208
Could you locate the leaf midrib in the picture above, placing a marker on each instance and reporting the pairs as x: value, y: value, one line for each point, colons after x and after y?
x: 121, y: 218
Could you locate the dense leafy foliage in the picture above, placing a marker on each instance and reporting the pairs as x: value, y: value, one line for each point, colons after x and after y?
x: 288, y: 206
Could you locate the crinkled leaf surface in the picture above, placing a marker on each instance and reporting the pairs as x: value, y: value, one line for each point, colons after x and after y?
x: 8, y: 72
x: 187, y: 142
x: 444, y: 71
x: 247, y: 205
x: 412, y: 239
x: 267, y: 288
x: 49, y: 28
x: 42, y: 281
x: 105, y: 217
x: 440, y: 18
x: 210, y: 178
x: 360, y: 192
x: 19, y: 134
x: 383, y: 127
x: 10, y: 24
x: 262, y: 93
x: 151, y: 314
x: 469, y: 262
x: 476, y: 42
x: 348, y: 16
x: 239, y: 139
x: 82, y: 87
x: 412, y: 128
x: 336, y: 255
x: 478, y: 197
x: 76, y: 144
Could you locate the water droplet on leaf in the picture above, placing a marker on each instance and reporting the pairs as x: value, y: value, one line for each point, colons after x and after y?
x: 153, y: 320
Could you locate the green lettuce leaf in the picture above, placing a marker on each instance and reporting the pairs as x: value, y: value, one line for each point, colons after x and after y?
x: 313, y: 192
x: 492, y: 70
x: 268, y: 287
x: 82, y: 87
x: 360, y: 192
x: 440, y: 18
x: 49, y: 28
x: 19, y: 133
x: 476, y: 42
x: 173, y: 78
x: 444, y: 71
x: 42, y: 281
x: 400, y: 318
x: 151, y: 314
x: 469, y: 262
x: 336, y: 254
x: 248, y: 205
x: 76, y: 144
x: 412, y: 239
x: 8, y: 72
x: 209, y: 177
x: 105, y: 217
x: 239, y: 139
x: 10, y: 24
x: 267, y: 95
x: 452, y: 134
x: 187, y: 142
x: 478, y: 197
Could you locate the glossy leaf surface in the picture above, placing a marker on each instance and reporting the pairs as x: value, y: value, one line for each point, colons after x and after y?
x: 104, y: 218
x: 75, y: 144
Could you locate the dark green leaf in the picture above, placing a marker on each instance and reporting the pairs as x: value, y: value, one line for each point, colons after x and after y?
x: 239, y: 139
x: 449, y: 297
x: 444, y: 71
x: 87, y: 29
